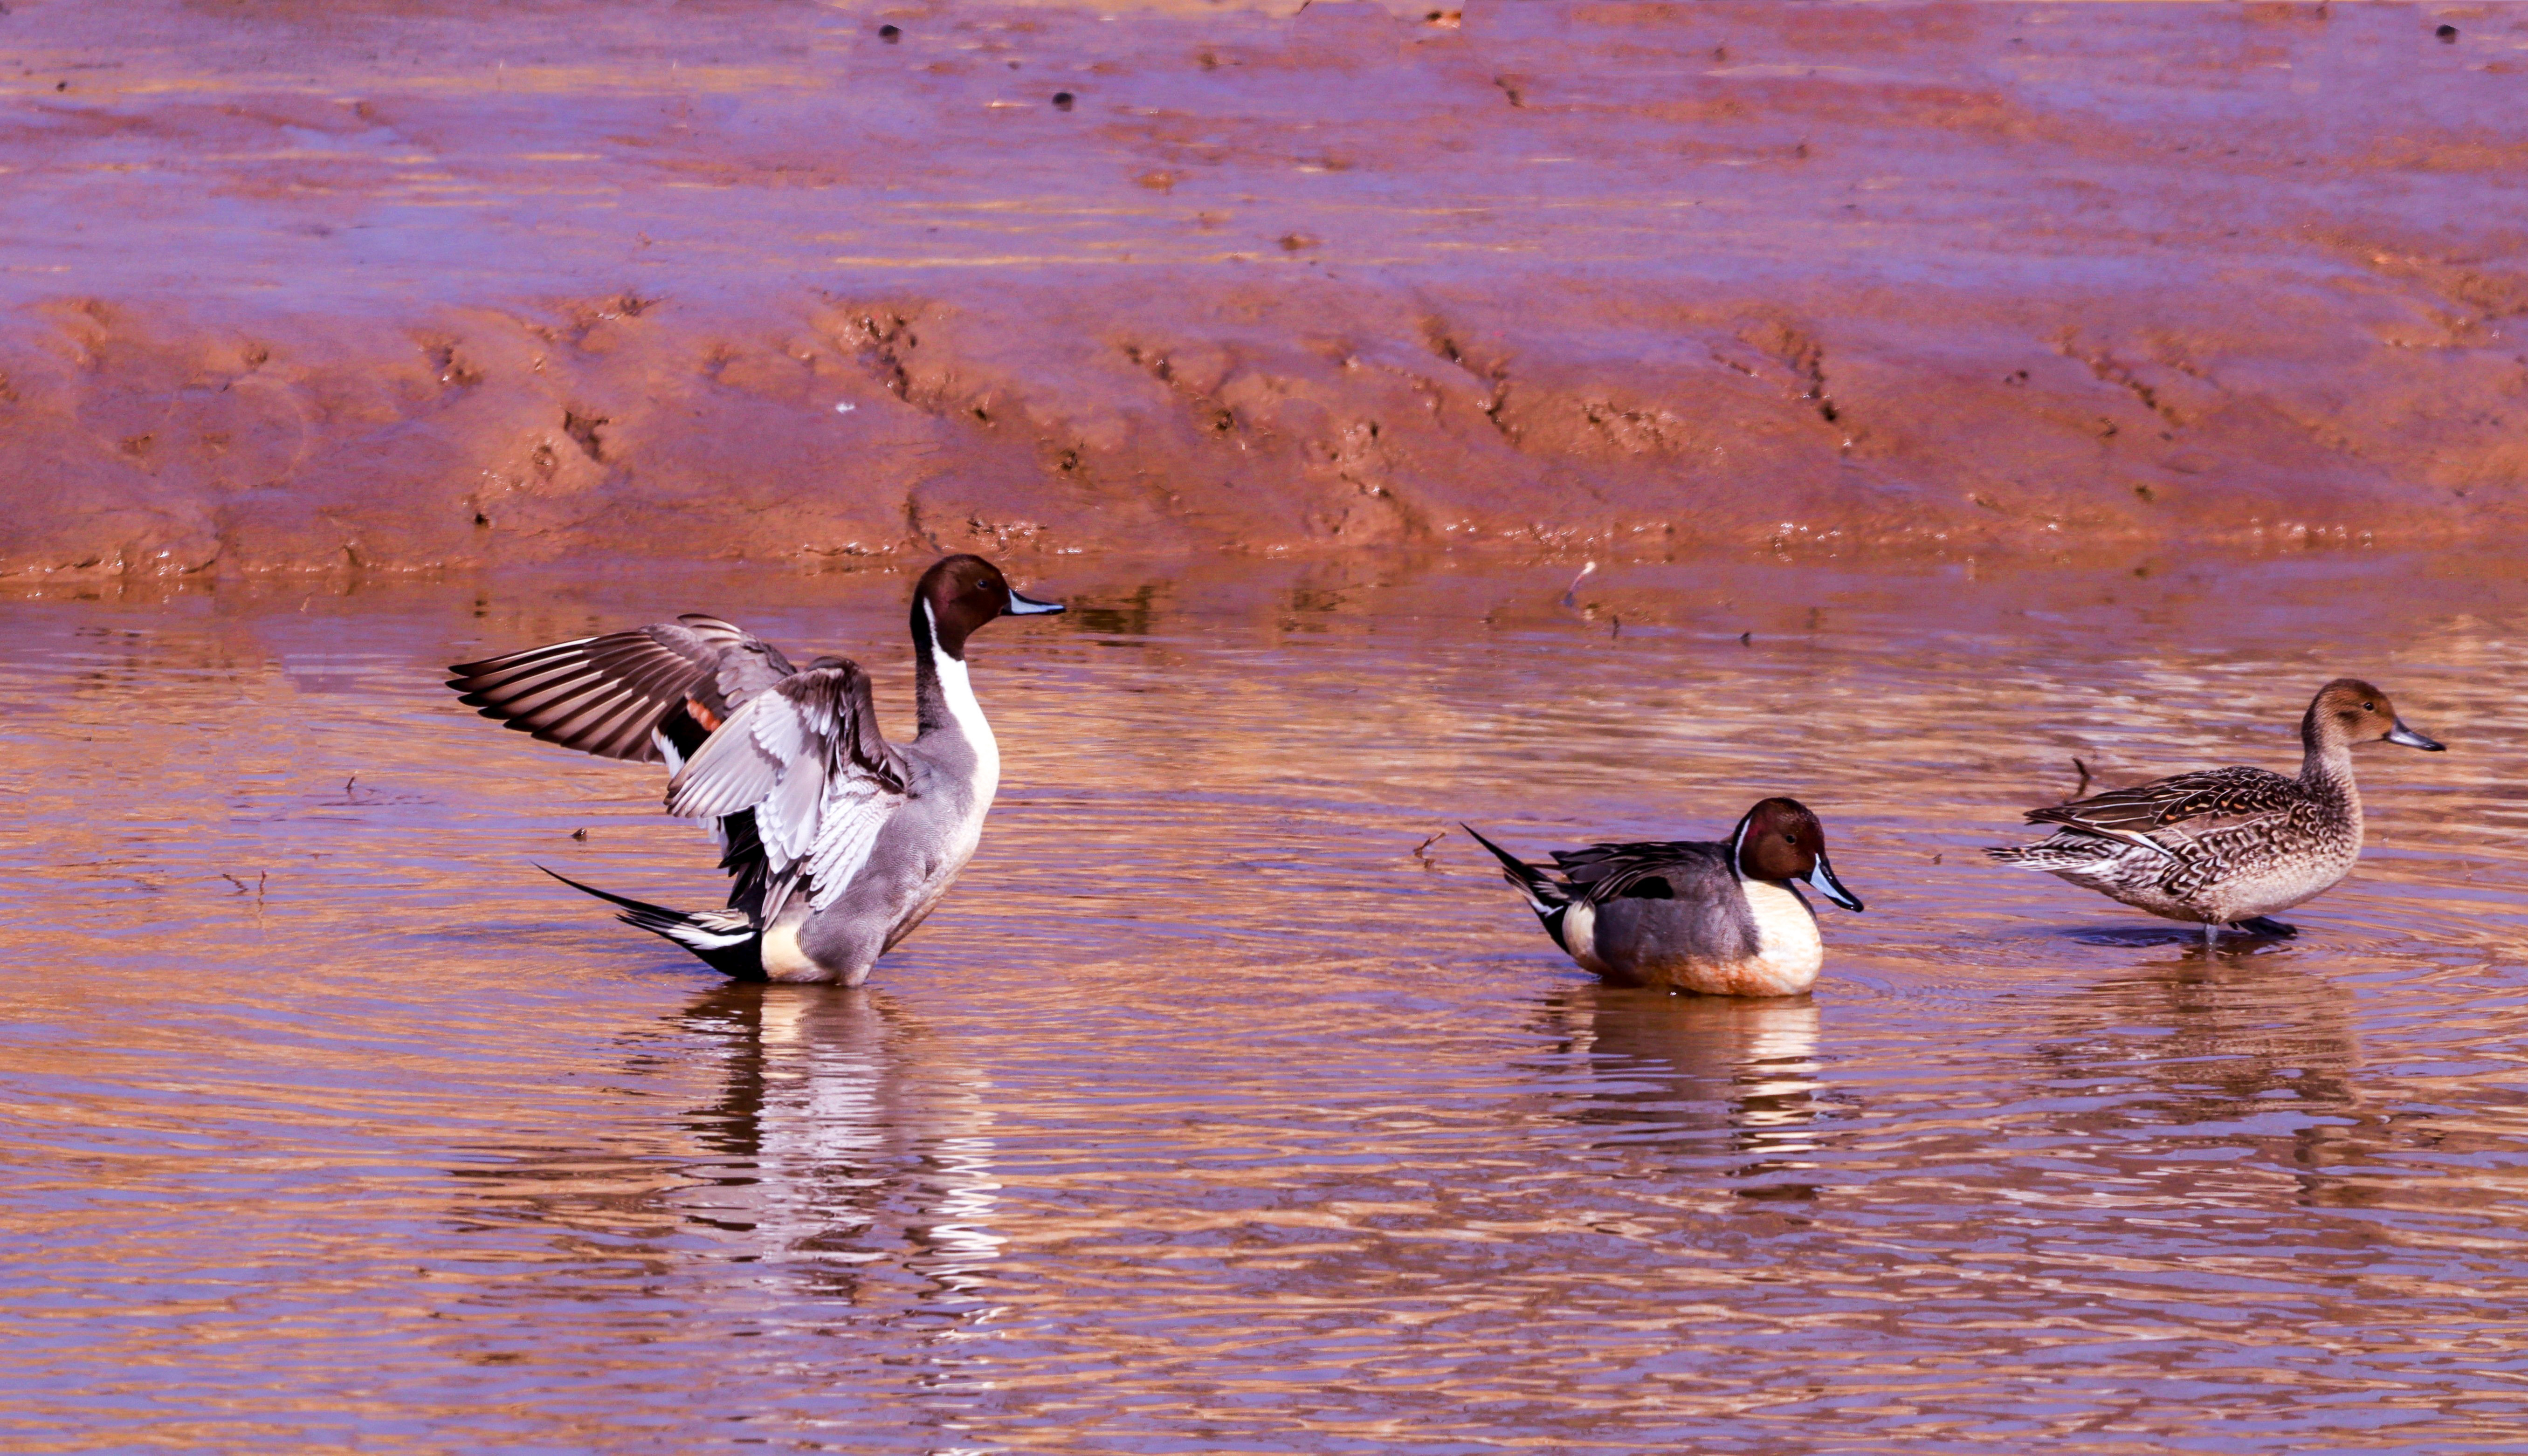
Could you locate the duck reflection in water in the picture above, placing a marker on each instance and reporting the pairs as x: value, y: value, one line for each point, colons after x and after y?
x: 837, y: 1142
x: 1671, y: 1071
x: 2223, y: 1048
x: 844, y: 1152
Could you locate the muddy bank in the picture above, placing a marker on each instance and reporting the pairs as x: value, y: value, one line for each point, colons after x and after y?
x: 288, y: 285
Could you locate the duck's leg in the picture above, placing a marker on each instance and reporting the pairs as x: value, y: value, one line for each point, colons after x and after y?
x: 2266, y: 925
x: 2211, y: 933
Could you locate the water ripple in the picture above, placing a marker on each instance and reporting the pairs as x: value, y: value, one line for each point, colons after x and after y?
x: 1225, y: 1109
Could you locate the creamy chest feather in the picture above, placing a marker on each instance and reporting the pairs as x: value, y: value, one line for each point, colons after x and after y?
x: 1786, y: 931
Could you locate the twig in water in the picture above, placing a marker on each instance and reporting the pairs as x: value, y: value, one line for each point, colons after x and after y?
x: 1586, y: 567
x: 234, y: 880
x: 347, y: 786
x: 1422, y: 851
x: 1745, y: 639
x: 2084, y: 780
x: 579, y: 834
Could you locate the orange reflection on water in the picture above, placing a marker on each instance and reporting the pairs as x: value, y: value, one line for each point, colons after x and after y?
x: 1208, y: 1112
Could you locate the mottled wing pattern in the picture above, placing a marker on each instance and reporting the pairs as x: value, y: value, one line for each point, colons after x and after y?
x: 807, y: 758
x: 2222, y: 793
x: 2196, y: 804
x: 2201, y: 825
x: 624, y: 695
x: 1651, y: 870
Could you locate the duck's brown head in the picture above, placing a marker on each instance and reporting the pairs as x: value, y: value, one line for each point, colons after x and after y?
x: 2348, y: 710
x: 959, y: 594
x: 1779, y: 838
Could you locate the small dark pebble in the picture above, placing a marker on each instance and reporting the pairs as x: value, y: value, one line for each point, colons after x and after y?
x: 1745, y: 639
x: 889, y: 33
x: 2447, y: 35
x: 1062, y: 100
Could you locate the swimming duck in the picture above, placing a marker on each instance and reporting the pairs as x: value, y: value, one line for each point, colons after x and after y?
x: 2228, y: 846
x: 1724, y: 919
x: 839, y: 842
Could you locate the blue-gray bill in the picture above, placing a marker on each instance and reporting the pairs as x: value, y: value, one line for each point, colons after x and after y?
x: 1028, y: 606
x: 1821, y: 879
x: 2412, y: 739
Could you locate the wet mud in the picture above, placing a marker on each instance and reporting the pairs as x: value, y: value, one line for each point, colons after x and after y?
x: 390, y: 285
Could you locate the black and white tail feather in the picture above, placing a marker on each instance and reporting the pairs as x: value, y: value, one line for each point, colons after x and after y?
x: 1549, y: 898
x: 727, y: 941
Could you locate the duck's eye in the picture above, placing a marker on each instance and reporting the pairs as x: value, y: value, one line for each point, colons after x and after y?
x: 2369, y: 707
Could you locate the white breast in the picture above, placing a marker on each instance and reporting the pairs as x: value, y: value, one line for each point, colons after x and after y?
x: 1788, y: 953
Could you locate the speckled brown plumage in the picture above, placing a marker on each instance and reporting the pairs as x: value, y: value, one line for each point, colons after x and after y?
x: 2226, y: 845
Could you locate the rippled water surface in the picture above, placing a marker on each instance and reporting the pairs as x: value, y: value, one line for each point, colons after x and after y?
x: 1217, y: 1110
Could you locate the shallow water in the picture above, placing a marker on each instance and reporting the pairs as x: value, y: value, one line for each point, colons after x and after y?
x: 1210, y: 1114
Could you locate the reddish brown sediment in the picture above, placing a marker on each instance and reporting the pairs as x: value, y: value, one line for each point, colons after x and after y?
x: 286, y: 285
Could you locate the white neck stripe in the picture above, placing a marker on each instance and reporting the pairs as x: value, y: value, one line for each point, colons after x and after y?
x: 957, y: 693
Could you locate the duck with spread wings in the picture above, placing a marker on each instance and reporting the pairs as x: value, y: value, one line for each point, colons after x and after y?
x: 837, y: 842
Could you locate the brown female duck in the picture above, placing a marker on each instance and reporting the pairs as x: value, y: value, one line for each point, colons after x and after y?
x: 2228, y: 846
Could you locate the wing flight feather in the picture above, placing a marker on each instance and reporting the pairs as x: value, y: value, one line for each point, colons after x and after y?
x: 612, y: 695
x: 808, y: 758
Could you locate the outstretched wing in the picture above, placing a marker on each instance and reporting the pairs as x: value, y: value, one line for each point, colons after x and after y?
x: 2131, y: 814
x: 1651, y: 870
x: 652, y: 692
x: 806, y: 757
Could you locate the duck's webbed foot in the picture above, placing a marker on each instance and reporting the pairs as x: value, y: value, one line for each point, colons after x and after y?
x: 2264, y: 925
